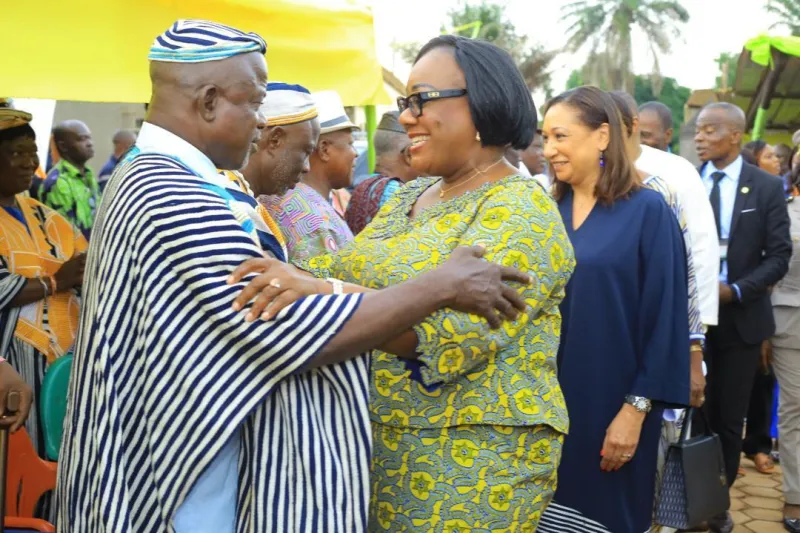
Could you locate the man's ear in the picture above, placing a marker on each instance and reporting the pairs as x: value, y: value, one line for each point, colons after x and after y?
x: 208, y: 101
x: 275, y: 138
x: 324, y: 149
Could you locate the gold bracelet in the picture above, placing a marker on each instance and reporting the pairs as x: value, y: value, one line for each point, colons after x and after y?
x: 696, y: 348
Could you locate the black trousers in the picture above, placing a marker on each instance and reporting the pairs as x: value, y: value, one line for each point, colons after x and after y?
x: 758, y: 435
x: 732, y: 366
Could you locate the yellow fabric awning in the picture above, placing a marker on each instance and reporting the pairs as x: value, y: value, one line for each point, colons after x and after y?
x: 96, y: 50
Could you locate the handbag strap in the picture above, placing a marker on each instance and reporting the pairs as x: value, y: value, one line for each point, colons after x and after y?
x: 686, y: 423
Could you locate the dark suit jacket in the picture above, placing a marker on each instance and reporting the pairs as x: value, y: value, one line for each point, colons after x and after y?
x: 759, y: 249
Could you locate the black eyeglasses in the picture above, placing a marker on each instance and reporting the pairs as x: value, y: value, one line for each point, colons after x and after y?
x: 415, y: 101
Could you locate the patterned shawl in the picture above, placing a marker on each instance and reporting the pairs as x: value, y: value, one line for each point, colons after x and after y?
x: 39, y: 250
x: 366, y: 200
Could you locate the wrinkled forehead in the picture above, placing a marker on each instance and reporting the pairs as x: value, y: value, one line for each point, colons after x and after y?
x: 18, y: 143
x: 717, y: 118
x: 650, y: 119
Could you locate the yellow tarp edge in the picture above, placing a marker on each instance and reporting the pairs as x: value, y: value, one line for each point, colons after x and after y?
x: 96, y: 50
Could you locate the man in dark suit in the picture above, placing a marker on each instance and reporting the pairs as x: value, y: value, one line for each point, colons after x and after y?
x: 755, y: 248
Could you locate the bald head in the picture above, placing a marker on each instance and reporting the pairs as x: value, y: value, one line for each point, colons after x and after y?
x: 718, y: 134
x: 733, y: 115
x: 212, y: 105
x: 74, y: 142
x: 123, y: 141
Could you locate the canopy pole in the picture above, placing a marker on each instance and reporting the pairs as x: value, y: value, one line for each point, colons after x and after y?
x: 372, y: 125
x: 766, y: 92
x: 758, y: 124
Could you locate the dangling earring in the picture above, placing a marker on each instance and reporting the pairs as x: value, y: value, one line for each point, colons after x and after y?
x: 478, y: 136
x: 602, y: 159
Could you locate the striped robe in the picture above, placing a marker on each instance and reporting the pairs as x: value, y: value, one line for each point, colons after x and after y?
x: 166, y: 372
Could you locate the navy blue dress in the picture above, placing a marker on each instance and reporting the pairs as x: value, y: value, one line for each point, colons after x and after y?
x: 625, y: 331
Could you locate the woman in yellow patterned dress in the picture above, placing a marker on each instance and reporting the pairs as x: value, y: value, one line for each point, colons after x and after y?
x: 468, y: 425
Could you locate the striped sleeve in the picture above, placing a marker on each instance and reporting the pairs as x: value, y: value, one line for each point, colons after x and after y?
x: 10, y: 286
x: 165, y: 371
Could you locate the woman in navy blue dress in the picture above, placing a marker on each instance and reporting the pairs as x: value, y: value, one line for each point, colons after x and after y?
x: 625, y: 320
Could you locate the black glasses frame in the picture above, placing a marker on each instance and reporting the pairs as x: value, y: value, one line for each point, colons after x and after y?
x: 416, y: 101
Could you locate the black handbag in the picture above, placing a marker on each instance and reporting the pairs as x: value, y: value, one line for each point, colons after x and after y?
x: 694, y: 486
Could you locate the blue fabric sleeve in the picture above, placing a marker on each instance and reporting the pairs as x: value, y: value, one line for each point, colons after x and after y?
x: 738, y: 292
x: 664, y: 360
x: 388, y: 191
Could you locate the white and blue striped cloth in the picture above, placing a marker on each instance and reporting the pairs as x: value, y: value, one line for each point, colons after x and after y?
x: 166, y: 373
x: 198, y: 41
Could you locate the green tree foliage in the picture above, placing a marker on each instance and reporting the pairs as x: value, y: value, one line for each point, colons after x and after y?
x: 787, y: 14
x: 731, y: 60
x: 532, y: 59
x: 606, y: 27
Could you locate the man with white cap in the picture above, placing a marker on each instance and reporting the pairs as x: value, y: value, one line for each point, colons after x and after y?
x: 281, y: 156
x: 305, y: 214
x: 185, y: 415
x: 288, y: 141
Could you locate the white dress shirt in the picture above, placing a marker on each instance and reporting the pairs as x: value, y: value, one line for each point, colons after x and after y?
x: 684, y: 179
x: 727, y: 199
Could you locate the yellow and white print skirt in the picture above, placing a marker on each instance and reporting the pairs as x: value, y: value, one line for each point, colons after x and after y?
x: 486, y: 479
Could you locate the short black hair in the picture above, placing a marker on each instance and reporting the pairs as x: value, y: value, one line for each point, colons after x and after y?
x: 500, y: 102
x: 663, y: 112
x: 751, y: 151
x: 16, y: 132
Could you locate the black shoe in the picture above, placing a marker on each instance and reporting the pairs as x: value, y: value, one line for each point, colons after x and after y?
x: 792, y: 525
x: 721, y: 524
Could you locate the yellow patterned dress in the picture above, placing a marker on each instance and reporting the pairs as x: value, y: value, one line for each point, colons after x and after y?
x: 468, y: 438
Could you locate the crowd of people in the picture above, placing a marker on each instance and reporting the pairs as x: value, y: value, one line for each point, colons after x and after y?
x: 501, y: 329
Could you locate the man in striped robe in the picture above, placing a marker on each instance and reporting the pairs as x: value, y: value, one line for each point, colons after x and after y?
x: 184, y: 414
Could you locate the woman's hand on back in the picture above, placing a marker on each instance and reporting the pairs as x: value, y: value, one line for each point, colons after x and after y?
x: 470, y: 284
x: 277, y: 285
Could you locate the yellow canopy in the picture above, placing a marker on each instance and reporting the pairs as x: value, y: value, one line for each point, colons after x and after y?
x: 96, y: 50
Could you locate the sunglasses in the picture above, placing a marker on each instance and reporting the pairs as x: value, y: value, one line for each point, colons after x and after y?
x: 414, y: 102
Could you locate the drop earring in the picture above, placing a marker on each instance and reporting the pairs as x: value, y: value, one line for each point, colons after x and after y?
x: 478, y: 136
x: 602, y: 159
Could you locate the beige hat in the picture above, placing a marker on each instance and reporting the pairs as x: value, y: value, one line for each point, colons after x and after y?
x: 10, y: 117
x: 332, y: 116
x: 796, y: 138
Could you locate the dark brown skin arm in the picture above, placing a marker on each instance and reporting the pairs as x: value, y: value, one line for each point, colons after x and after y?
x: 31, y: 292
x: 385, y: 318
